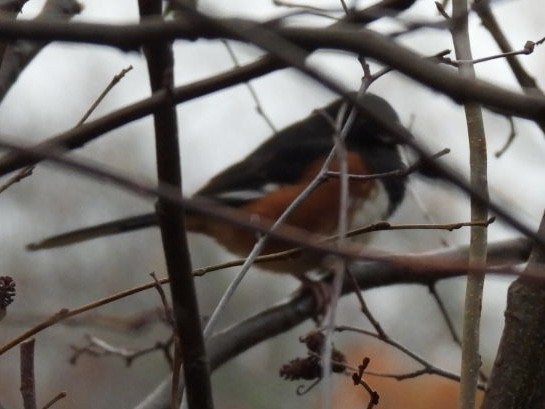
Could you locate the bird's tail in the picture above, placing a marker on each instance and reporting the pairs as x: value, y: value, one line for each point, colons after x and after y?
x: 119, y: 226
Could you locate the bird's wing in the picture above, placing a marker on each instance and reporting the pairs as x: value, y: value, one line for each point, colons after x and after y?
x: 281, y: 160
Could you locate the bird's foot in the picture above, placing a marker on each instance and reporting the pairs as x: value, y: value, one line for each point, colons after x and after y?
x: 321, y: 292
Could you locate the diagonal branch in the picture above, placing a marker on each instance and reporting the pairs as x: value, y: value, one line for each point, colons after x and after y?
x: 78, y: 137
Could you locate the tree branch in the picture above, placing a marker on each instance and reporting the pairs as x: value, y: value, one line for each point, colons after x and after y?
x: 471, y: 359
x: 343, y: 37
x: 266, y: 324
x: 20, y: 53
x: 187, y: 319
x: 78, y: 137
x: 518, y: 374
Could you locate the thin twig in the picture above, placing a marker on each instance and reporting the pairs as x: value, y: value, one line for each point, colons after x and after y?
x: 339, y: 265
x: 363, y: 305
x: 369, y: 78
x: 442, y: 11
x: 250, y: 87
x: 118, y: 77
x: 489, y: 21
x: 98, y: 347
x: 366, y: 82
x: 25, y: 172
x: 527, y: 83
x: 166, y: 308
x: 177, y: 361
x: 380, y: 226
x: 444, y: 313
x: 446, y: 317
x: 303, y: 6
x: 135, y: 323
x: 528, y: 49
x: 295, y: 12
x: 55, y: 399
x: 397, y: 172
x: 428, y: 367
x: 510, y: 138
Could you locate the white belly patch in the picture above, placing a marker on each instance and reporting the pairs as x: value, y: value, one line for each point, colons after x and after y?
x: 373, y: 209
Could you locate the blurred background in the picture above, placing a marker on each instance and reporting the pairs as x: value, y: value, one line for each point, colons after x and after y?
x: 217, y: 130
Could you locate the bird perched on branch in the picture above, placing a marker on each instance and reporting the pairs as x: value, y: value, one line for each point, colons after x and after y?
x: 270, y: 178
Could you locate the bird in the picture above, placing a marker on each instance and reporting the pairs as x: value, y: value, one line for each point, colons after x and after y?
x: 267, y: 181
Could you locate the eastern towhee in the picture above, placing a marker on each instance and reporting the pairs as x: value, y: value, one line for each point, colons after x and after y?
x: 266, y: 182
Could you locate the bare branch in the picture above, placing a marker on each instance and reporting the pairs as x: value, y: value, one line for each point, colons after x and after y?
x: 369, y: 275
x: 429, y: 368
x: 77, y: 137
x: 54, y: 400
x: 28, y: 382
x: 113, y: 82
x: 185, y: 308
x: 9, y: 8
x: 98, y: 347
x: 258, y: 106
x: 363, y: 41
x: 519, y: 368
x: 24, y: 173
x: 19, y: 54
x: 471, y: 359
x: 282, y: 317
